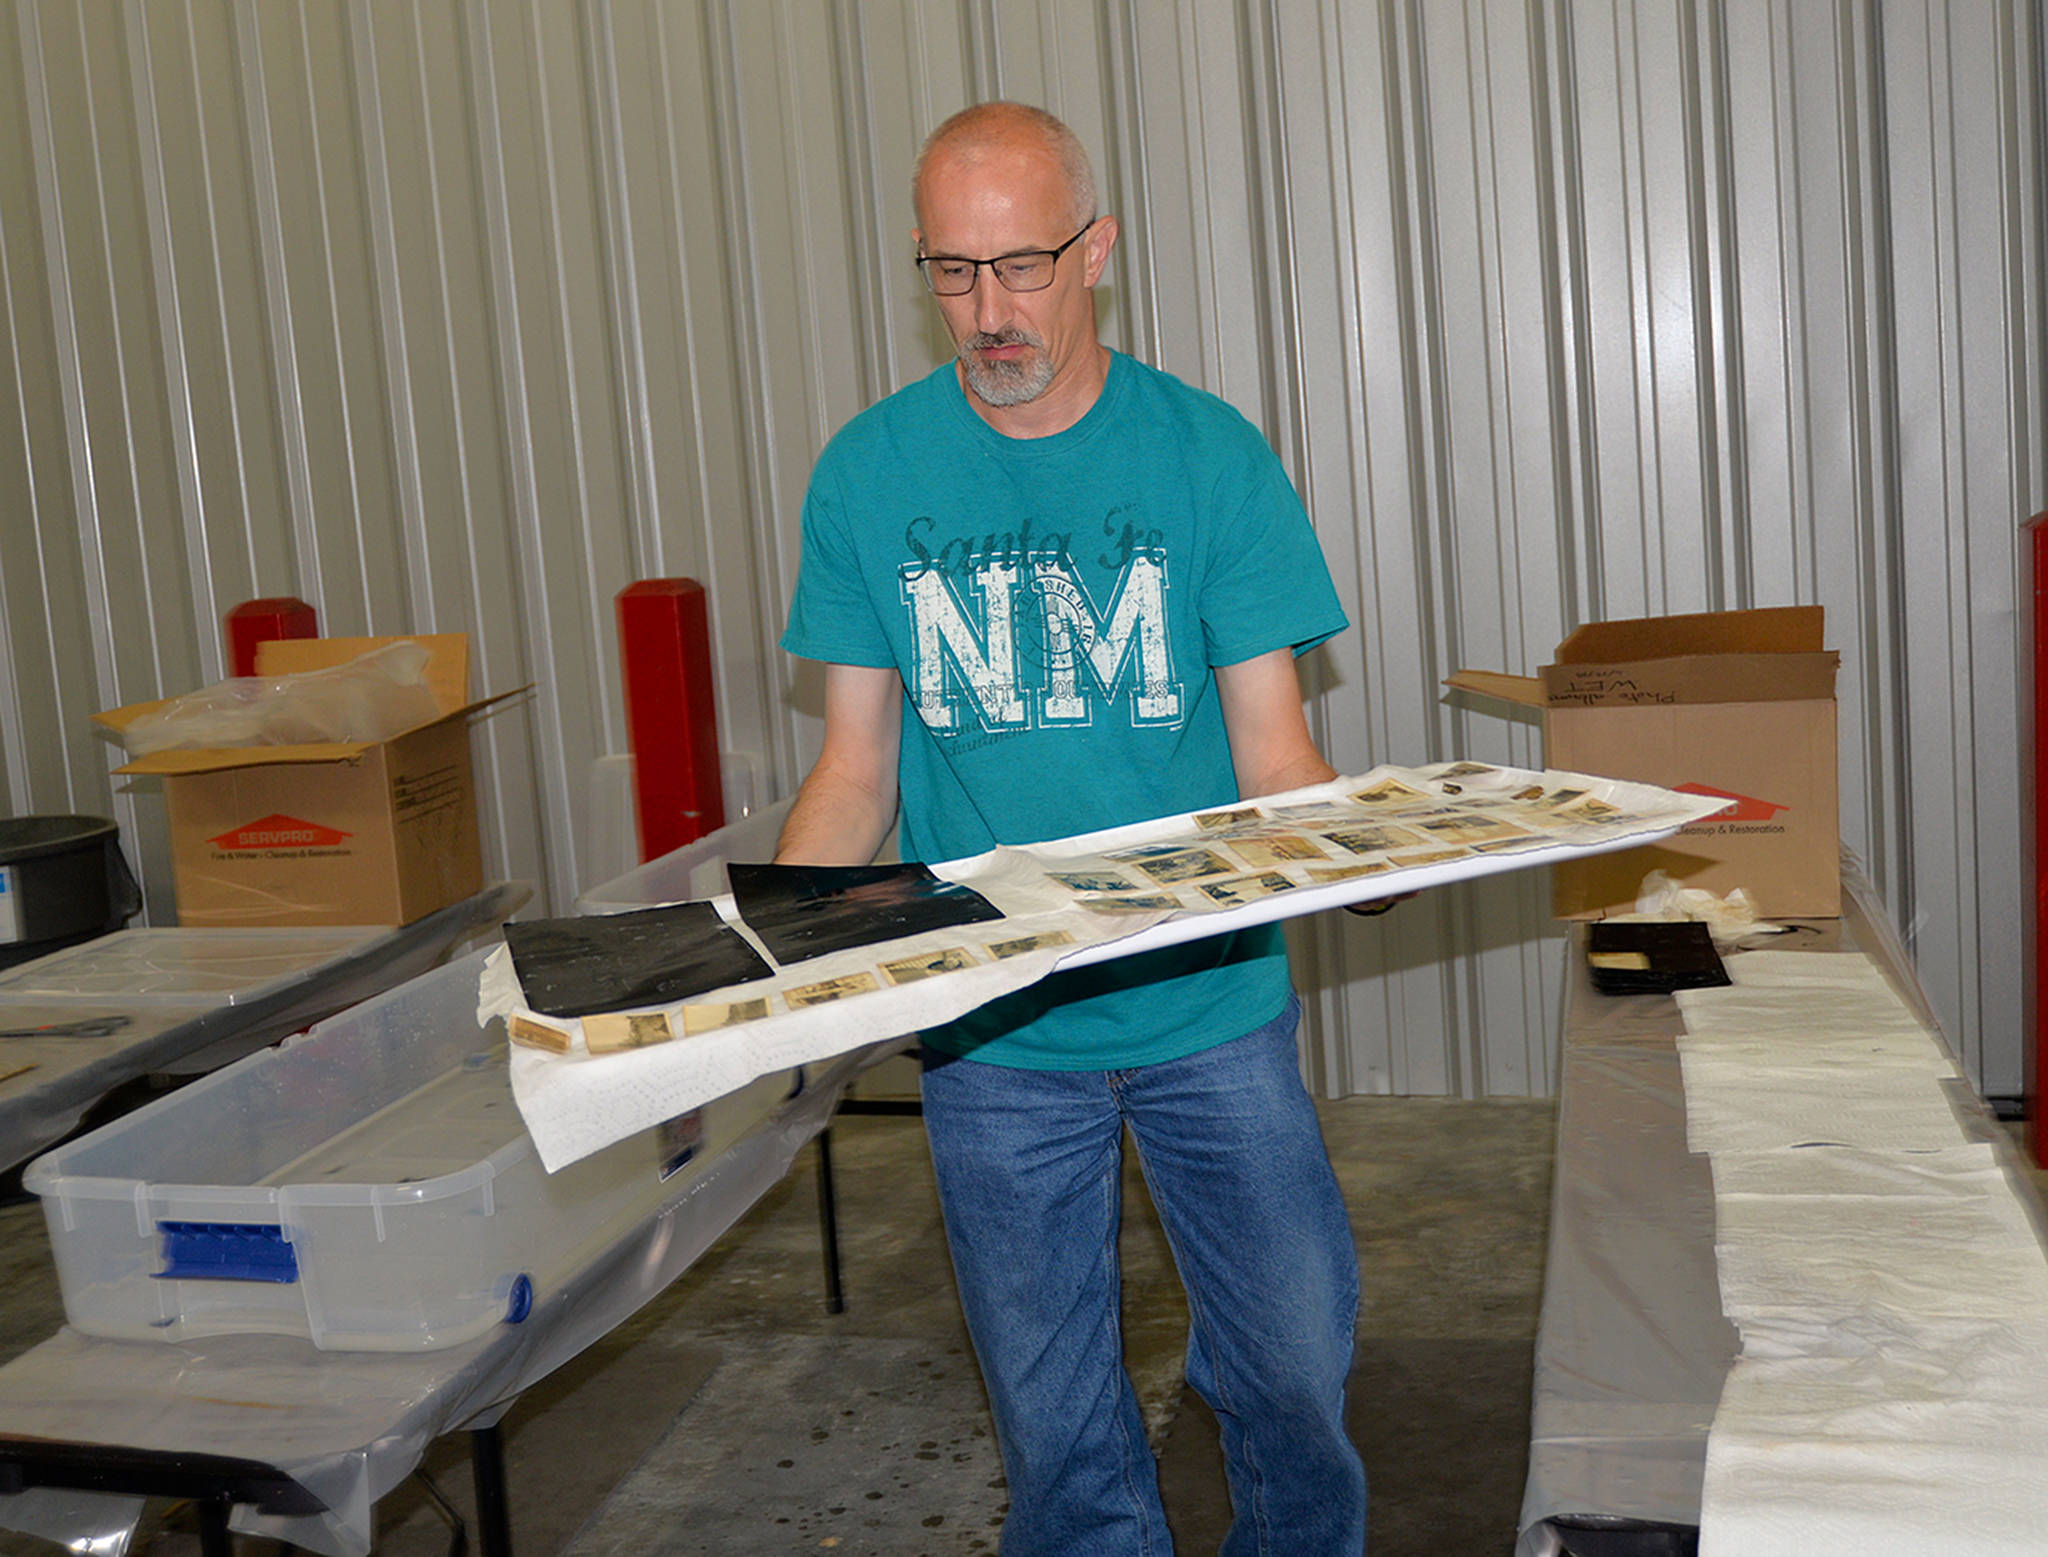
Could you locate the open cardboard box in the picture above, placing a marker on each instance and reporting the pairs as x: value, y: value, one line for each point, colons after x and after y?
x: 1733, y: 703
x: 337, y: 832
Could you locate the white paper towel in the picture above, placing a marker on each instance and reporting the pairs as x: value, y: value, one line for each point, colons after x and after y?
x: 1455, y: 821
x: 1890, y: 1289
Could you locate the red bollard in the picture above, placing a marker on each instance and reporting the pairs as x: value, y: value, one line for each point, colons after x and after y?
x: 258, y: 621
x: 671, y: 718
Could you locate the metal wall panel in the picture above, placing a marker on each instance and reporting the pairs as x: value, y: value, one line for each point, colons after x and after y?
x: 462, y: 315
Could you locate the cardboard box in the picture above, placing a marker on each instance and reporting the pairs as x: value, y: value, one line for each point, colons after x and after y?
x: 339, y: 832
x: 1732, y: 703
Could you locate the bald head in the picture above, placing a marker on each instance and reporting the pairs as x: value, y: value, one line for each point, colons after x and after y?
x: 989, y: 131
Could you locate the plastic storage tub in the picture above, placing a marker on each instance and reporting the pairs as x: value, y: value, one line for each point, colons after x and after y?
x: 693, y: 873
x: 181, y: 968
x: 369, y: 1186
x: 696, y: 871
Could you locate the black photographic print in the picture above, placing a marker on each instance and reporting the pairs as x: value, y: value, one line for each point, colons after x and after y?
x: 649, y: 957
x: 806, y: 911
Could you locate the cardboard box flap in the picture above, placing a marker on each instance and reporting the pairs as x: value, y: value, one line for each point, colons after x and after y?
x: 1527, y: 691
x: 447, y: 674
x: 1693, y: 678
x: 1773, y: 630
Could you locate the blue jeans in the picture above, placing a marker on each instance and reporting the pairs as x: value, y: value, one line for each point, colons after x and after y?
x: 1029, y: 1180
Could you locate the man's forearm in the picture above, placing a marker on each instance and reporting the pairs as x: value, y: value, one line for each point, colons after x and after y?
x: 1299, y: 771
x: 835, y: 820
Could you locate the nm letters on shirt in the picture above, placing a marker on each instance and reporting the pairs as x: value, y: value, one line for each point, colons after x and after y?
x: 1011, y: 638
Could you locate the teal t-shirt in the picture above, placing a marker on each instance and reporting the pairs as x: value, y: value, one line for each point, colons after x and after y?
x: 1056, y: 607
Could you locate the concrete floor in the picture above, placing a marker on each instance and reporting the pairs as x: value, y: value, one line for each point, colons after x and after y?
x: 734, y: 1415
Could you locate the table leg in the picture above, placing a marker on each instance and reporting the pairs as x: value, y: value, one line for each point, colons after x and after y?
x: 215, y: 1540
x: 493, y: 1516
x: 828, y: 1224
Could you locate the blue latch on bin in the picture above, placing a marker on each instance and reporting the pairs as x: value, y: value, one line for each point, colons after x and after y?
x: 226, y: 1251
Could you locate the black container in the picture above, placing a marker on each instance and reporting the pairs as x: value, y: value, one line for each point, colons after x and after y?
x: 62, y: 880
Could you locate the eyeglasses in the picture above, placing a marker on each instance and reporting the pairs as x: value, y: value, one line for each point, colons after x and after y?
x: 1030, y: 270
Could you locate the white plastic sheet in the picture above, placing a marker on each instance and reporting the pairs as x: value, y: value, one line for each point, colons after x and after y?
x: 1634, y: 1350
x: 87, y: 1056
x: 1280, y: 856
x: 1888, y: 1285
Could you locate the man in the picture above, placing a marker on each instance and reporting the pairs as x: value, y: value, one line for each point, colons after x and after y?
x: 1056, y: 590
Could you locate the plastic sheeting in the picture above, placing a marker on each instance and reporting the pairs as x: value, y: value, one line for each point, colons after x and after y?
x: 1888, y: 1286
x: 75, y: 1069
x: 349, y: 1426
x: 1633, y: 1348
x: 1069, y: 902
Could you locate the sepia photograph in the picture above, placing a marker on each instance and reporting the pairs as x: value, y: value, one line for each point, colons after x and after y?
x: 710, y: 1018
x: 908, y: 970
x: 828, y: 990
x: 1030, y: 943
x: 1239, y: 890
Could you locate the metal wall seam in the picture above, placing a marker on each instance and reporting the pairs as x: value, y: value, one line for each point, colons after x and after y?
x: 13, y: 736
x: 774, y: 573
x: 401, y: 421
x: 289, y: 402
x: 119, y: 401
x: 213, y: 656
x: 729, y: 625
x: 534, y: 605
x: 578, y: 452
x: 13, y: 733
x: 493, y: 794
x: 171, y: 343
x: 350, y: 467
x: 628, y: 345
x: 1137, y: 267
x: 71, y: 398
x: 864, y: 204
x: 1344, y: 999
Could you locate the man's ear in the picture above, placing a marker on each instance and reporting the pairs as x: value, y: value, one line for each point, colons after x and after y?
x: 1099, y: 243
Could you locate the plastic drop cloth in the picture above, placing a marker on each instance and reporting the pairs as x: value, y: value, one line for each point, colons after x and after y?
x: 369, y: 698
x: 349, y: 1426
x: 1635, y: 1354
x: 1885, y: 1277
x: 1187, y: 876
x: 81, y: 1048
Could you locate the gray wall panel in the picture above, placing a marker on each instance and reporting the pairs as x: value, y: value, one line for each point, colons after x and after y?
x: 461, y: 316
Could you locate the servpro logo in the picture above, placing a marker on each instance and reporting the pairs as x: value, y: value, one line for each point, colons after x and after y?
x: 1747, y: 808
x: 278, y: 831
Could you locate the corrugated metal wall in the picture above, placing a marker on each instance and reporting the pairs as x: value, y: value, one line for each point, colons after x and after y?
x: 460, y: 315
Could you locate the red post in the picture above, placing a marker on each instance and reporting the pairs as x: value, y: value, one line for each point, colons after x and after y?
x: 259, y: 621
x: 671, y: 720
x: 2034, y: 826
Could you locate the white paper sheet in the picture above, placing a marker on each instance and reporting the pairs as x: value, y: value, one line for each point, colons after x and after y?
x: 1387, y: 832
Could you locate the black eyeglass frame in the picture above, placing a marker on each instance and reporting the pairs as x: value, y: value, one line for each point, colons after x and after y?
x: 924, y: 261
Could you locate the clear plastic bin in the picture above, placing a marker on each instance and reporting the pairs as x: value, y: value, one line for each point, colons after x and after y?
x: 696, y: 871
x: 182, y: 967
x: 693, y: 873
x: 369, y: 1186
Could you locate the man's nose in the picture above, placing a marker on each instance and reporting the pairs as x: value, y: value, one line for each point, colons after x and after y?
x: 991, y: 301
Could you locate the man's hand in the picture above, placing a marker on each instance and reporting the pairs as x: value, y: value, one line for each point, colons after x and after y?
x: 1377, y: 905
